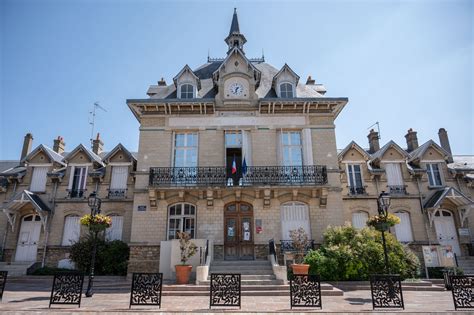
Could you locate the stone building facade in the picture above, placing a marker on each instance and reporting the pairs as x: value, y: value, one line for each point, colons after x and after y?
x: 237, y: 152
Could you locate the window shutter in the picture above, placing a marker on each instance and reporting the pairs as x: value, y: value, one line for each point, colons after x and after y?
x: 359, y: 220
x: 72, y: 230
x: 115, y: 231
x: 403, y: 229
x: 119, y: 177
x: 247, y: 147
x: 38, y: 180
x: 294, y: 216
x: 394, y: 174
x: 279, y: 147
x: 307, y: 147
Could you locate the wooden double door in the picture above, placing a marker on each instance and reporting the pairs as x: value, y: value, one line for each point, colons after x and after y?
x: 238, y: 231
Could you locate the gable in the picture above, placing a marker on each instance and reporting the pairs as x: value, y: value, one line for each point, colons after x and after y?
x: 353, y: 155
x: 119, y: 157
x: 432, y: 154
x: 236, y: 63
x: 392, y: 154
x: 40, y: 157
x: 79, y: 157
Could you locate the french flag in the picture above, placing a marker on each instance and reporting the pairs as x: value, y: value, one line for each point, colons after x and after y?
x: 234, y: 166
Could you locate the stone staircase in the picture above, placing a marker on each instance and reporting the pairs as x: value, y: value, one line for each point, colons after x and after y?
x: 466, y: 263
x: 16, y: 268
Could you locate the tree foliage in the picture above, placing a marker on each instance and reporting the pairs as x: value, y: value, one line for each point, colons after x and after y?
x: 351, y: 254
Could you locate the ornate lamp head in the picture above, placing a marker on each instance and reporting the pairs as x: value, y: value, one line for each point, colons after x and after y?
x: 94, y: 202
x: 383, y: 203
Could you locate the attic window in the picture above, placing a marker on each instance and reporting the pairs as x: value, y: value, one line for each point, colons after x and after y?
x: 187, y: 91
x: 286, y: 90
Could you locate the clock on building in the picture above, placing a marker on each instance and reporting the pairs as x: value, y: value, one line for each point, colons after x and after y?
x: 236, y: 89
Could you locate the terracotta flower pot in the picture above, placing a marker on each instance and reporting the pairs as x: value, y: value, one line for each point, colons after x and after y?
x: 300, y: 269
x: 183, y: 272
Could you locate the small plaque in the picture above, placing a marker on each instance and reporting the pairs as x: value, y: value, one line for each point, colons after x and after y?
x: 258, y: 226
x: 141, y: 208
x: 463, y: 232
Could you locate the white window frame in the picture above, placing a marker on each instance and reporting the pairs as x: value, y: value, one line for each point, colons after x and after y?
x: 353, y: 177
x: 114, y: 233
x: 291, y: 146
x: 186, y: 148
x: 113, y: 184
x: 431, y: 176
x: 193, y: 92
x: 182, y: 217
x: 292, y: 90
x: 73, y: 171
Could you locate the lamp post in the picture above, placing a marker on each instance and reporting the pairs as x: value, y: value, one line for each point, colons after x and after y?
x: 94, y: 203
x: 383, y: 203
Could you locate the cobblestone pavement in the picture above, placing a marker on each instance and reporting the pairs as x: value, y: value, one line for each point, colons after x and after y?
x: 33, y: 298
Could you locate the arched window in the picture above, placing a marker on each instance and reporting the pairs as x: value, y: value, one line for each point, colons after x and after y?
x: 114, y: 232
x: 286, y: 90
x: 359, y: 219
x: 187, y: 91
x: 181, y: 218
x: 403, y: 229
x: 293, y: 216
x: 72, y: 230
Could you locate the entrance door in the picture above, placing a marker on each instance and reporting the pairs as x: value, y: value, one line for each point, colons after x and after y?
x: 238, y: 224
x: 28, y: 238
x: 446, y: 230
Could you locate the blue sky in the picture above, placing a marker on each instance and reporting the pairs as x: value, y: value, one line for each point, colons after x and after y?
x: 406, y: 64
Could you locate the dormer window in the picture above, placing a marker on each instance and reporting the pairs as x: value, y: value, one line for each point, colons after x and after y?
x: 187, y: 91
x: 286, y: 90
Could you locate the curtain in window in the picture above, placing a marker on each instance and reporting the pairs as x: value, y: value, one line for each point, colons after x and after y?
x: 72, y: 230
x: 119, y: 177
x: 115, y: 231
x: 307, y: 147
x: 38, y: 180
x: 247, y: 147
x: 359, y: 220
x: 403, y: 229
x: 293, y: 216
x: 394, y: 174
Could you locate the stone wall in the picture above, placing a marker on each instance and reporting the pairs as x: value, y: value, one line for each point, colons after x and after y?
x: 144, y: 258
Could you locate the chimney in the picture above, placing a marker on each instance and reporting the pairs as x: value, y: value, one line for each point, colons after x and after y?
x: 27, y: 143
x: 59, y: 145
x: 97, y: 145
x: 373, y: 141
x: 444, y: 141
x: 162, y: 82
x: 310, y: 81
x: 412, y: 140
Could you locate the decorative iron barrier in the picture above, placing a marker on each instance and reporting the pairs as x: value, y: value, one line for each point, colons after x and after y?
x: 356, y: 191
x: 305, y: 291
x: 3, y: 281
x: 397, y: 190
x: 462, y: 288
x: 117, y: 193
x: 146, y: 289
x: 67, y: 289
x: 225, y: 289
x: 386, y: 291
x: 255, y: 175
x: 287, y: 246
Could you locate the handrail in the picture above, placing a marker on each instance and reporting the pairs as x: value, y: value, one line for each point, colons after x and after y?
x: 272, y: 249
x: 207, y: 252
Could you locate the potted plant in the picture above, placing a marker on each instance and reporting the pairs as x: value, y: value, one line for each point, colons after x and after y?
x: 383, y: 223
x: 96, y: 223
x: 301, y: 242
x: 188, y: 249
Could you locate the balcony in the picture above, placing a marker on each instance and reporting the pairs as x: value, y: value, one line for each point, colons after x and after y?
x: 354, y: 191
x: 313, y: 175
x: 76, y: 193
x: 397, y: 189
x: 117, y: 193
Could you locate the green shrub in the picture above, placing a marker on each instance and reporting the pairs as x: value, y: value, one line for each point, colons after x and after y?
x: 351, y: 254
x: 437, y: 272
x: 111, y: 257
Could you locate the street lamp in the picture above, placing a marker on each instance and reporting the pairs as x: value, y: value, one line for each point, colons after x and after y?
x: 383, y: 203
x: 94, y: 203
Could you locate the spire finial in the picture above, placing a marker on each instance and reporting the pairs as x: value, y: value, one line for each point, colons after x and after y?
x: 234, y: 26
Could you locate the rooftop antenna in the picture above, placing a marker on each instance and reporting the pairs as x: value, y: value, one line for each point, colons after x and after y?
x: 208, y: 54
x: 92, y: 119
x: 378, y: 128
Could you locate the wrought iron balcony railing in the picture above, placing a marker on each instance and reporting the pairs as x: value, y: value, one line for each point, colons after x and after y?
x: 76, y: 193
x: 287, y: 246
x: 255, y: 175
x: 353, y: 191
x: 117, y: 193
x: 397, y: 189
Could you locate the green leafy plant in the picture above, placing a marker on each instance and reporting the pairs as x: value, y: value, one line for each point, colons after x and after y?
x: 111, y: 259
x: 300, y: 241
x: 351, y: 254
x: 188, y: 249
x: 96, y: 223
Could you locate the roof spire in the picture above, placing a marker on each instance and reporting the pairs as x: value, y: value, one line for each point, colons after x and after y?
x: 234, y: 26
x: 235, y: 38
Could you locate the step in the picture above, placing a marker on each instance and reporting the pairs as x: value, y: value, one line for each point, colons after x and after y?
x: 244, y: 272
x: 251, y: 282
x: 233, y: 268
x: 239, y: 262
x: 335, y: 292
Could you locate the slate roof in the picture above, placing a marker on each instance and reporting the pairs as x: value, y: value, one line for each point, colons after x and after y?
x: 234, y: 26
x: 438, y: 196
x: 94, y: 157
x: 8, y: 164
x: 420, y: 151
x: 462, y: 163
x: 381, y: 152
x: 53, y: 155
x: 265, y: 90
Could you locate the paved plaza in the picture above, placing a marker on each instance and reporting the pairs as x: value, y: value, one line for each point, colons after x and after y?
x: 32, y: 297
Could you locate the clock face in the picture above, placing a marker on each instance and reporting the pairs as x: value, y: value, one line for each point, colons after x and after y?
x: 236, y: 89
